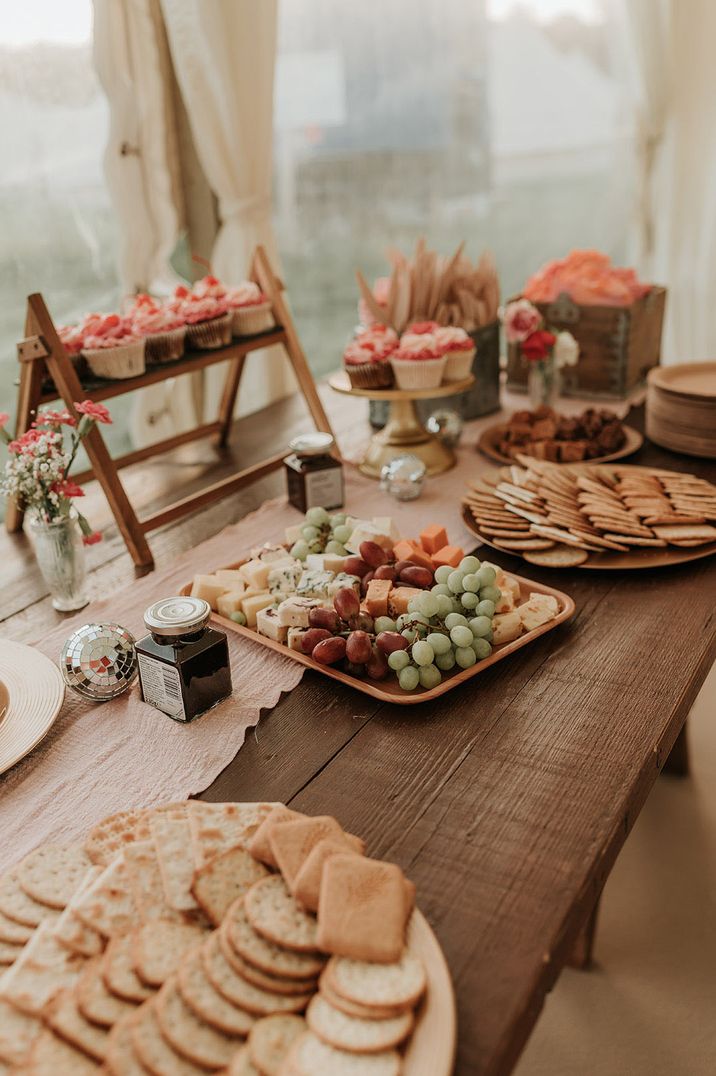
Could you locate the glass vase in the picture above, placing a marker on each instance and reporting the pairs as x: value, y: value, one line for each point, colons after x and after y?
x: 61, y: 559
x: 544, y: 383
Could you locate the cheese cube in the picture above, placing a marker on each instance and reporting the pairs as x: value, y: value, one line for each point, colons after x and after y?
x: 398, y: 599
x: 368, y: 532
x: 449, y: 554
x: 540, y: 609
x: 294, y: 533
x: 283, y: 578
x: 251, y: 606
x: 267, y: 623
x: 256, y: 573
x: 386, y: 525
x: 293, y: 612
x: 209, y: 588
x: 343, y: 579
x: 325, y: 562
x: 510, y: 583
x: 314, y: 584
x: 433, y: 538
x: 507, y: 627
x: 506, y: 602
x: 376, y: 599
x: 231, y: 578
x: 295, y: 635
x: 270, y: 552
x: 231, y: 602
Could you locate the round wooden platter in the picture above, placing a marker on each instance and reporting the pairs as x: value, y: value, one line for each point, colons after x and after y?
x: 616, y: 561
x: 340, y: 382
x: 694, y: 380
x: 491, y: 437
x: 431, y: 1047
x: 31, y: 694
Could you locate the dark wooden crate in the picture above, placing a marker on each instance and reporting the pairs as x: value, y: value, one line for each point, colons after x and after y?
x: 618, y: 344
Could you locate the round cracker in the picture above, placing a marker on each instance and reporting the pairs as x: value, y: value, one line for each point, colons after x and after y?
x: 64, y: 1017
x: 18, y: 1031
x: 242, y: 1065
x: 219, y: 882
x: 271, y: 1040
x: 275, y: 914
x: 189, y: 1035
x: 158, y: 947
x: 114, y: 833
x: 50, y: 1053
x: 118, y: 972
x: 366, y: 983
x: 354, y: 1033
x: 94, y: 999
x: 9, y: 952
x: 265, y: 955
x: 561, y: 556
x: 53, y: 872
x: 14, y: 933
x: 205, y: 1000
x: 276, y: 983
x: 121, y: 1059
x: 520, y: 544
x: 351, y: 1008
x: 311, y: 1056
x: 152, y: 1048
x: 239, y: 991
x: 18, y: 906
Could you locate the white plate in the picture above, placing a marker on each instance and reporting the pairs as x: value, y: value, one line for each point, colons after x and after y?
x: 35, y: 692
x: 431, y: 1047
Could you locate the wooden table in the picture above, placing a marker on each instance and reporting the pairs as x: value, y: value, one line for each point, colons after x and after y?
x: 506, y: 801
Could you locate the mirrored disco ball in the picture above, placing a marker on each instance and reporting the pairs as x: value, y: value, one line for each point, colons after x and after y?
x: 447, y: 425
x: 99, y: 661
x: 403, y: 477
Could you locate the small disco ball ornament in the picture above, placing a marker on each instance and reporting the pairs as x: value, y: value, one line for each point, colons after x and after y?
x: 99, y: 661
x: 403, y: 477
x: 447, y: 425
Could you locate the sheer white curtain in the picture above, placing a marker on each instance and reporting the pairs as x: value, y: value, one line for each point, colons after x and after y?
x: 224, y: 53
x: 672, y: 44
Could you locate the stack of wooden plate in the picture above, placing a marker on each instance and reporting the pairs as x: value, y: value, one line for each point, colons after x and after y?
x: 681, y: 408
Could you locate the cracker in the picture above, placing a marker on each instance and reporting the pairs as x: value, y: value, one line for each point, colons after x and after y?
x: 42, y: 969
x: 259, y: 845
x: 242, y: 1065
x: 351, y: 1008
x: 307, y: 884
x: 51, y: 1054
x: 107, y: 905
x: 265, y: 955
x: 632, y: 539
x: 292, y: 842
x: 12, y: 932
x: 52, y: 873
x: 94, y: 1000
x: 274, y: 914
x: 596, y: 539
x: 495, y: 533
x: 154, y: 1051
x: 556, y: 534
x: 66, y: 1020
x: 206, y: 1002
x: 9, y: 952
x: 217, y: 827
x: 310, y: 1056
x: 271, y: 1040
x: 71, y: 932
x: 188, y: 1034
x: 222, y: 879
x: 121, y: 1059
x: 172, y: 842
x: 401, y: 983
x: 18, y: 1031
x: 118, y: 972
x: 362, y: 910
x: 519, y: 544
x: 114, y: 833
x: 159, y: 946
x: 273, y: 983
x: 673, y: 517
x: 239, y: 991
x: 686, y: 532
x: 533, y: 517
x: 354, y: 1033
x: 17, y: 906
x: 561, y: 556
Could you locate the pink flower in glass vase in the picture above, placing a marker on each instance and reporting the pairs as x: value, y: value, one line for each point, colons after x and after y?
x: 520, y: 319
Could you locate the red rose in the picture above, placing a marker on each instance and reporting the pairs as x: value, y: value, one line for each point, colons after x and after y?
x: 67, y: 488
x: 538, y: 345
x: 92, y: 538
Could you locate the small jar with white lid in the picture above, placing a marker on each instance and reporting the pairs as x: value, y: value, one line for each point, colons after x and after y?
x: 314, y: 475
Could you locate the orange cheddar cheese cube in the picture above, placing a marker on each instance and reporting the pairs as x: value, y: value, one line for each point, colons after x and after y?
x: 450, y: 555
x: 421, y: 558
x: 399, y: 598
x: 376, y: 598
x: 403, y: 549
x: 433, y: 538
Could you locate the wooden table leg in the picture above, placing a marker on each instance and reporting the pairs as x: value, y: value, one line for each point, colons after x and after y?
x: 581, y: 955
x: 677, y: 763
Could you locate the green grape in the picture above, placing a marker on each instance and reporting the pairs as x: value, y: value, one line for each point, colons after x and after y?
x: 480, y: 625
x: 318, y: 517
x: 455, y: 581
x: 401, y: 621
x: 417, y: 618
x: 429, y: 676
x: 455, y: 619
x: 471, y: 583
x: 461, y: 636
x: 299, y: 549
x: 409, y: 678
x: 423, y: 653
x: 457, y: 606
x: 427, y: 604
x: 410, y: 634
x: 336, y: 547
x: 465, y: 657
x: 412, y: 607
x: 490, y: 593
x: 441, y: 589
x: 488, y: 575
x: 482, y: 649
x: 398, y: 660
x: 316, y: 546
x: 309, y: 532
x: 486, y: 608
x: 468, y: 600
x: 338, y: 520
x: 469, y: 564
x: 446, y: 661
x: 444, y: 605
x: 443, y: 573
x: 440, y: 643
x: 342, y: 533
x: 238, y: 617
x: 489, y: 637
x: 383, y: 623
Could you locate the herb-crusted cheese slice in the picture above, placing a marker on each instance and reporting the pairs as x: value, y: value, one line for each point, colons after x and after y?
x: 314, y: 584
x: 283, y: 578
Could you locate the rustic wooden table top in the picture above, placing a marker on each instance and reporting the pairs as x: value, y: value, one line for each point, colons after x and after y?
x: 507, y: 800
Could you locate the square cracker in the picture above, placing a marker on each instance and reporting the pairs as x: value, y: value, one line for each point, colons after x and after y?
x: 223, y: 879
x: 688, y: 532
x: 216, y: 827
x: 259, y: 845
x: 362, y: 912
x: 172, y: 842
x: 292, y: 841
x: 107, y: 905
x: 306, y: 886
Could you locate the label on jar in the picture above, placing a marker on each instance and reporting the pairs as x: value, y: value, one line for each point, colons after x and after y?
x: 324, y: 489
x: 161, y: 686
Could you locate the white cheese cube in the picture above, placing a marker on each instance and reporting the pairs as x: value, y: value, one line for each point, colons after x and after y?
x: 510, y: 583
x: 386, y: 525
x: 294, y: 533
x: 231, y: 578
x: 507, y: 627
x: 270, y: 552
x: 343, y: 579
x: 209, y: 588
x: 293, y: 612
x: 325, y: 562
x: 267, y: 623
x: 506, y: 602
x: 314, y: 584
x: 283, y: 578
x: 540, y: 609
x: 367, y: 532
x: 295, y: 635
x: 256, y: 573
x: 231, y: 602
x: 251, y: 606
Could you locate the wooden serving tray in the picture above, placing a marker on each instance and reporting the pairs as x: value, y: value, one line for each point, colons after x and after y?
x: 390, y: 690
x: 491, y: 437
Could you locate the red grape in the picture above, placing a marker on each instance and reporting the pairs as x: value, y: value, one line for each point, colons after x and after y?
x: 365, y: 581
x: 358, y: 647
x: 356, y: 566
x: 324, y: 618
x: 362, y: 622
x: 417, y: 577
x: 403, y: 564
x: 388, y: 641
x: 346, y: 603
x: 329, y: 651
x: 377, y: 668
x: 373, y: 554
x: 312, y: 638
x: 355, y: 670
x: 385, y: 571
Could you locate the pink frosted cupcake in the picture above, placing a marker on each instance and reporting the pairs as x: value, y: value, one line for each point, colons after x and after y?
x: 163, y: 330
x: 207, y: 320
x: 419, y: 361
x: 459, y: 351
x: 367, y: 358
x: 250, y: 309
x: 111, y: 347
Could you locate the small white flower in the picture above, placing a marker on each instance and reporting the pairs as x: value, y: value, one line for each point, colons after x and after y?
x: 566, y: 350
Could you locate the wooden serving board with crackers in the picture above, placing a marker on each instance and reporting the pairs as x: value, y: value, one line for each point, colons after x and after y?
x: 242, y: 938
x: 593, y: 516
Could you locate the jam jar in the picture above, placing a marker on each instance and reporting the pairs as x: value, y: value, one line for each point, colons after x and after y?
x: 183, y: 663
x: 314, y: 476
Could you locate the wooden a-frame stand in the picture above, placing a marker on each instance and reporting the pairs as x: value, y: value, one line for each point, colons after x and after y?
x: 42, y: 355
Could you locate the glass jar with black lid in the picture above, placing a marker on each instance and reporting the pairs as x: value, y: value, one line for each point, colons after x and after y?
x: 314, y: 476
x: 183, y: 662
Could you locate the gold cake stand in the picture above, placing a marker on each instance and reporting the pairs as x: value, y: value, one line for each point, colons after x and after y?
x: 403, y: 432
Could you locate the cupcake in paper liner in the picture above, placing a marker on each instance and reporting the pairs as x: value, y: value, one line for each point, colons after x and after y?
x: 206, y: 317
x: 418, y: 362
x: 459, y: 351
x: 111, y: 348
x: 163, y: 329
x: 366, y: 359
x: 250, y: 309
